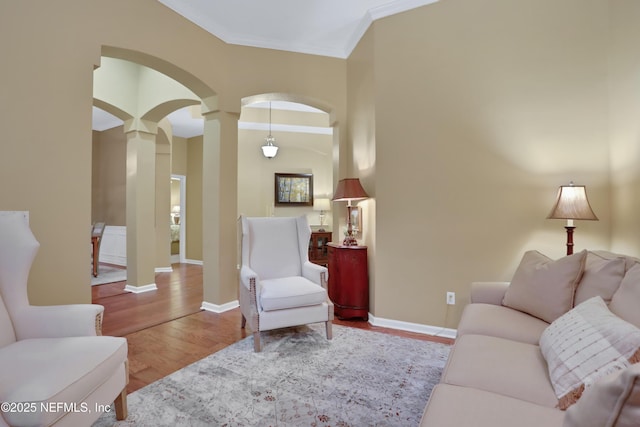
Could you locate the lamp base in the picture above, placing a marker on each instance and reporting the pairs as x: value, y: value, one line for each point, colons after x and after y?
x: 569, y: 239
x: 349, y: 241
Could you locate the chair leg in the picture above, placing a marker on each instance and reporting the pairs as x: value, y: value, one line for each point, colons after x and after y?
x: 244, y: 322
x: 256, y: 341
x: 121, y: 405
x: 329, y: 330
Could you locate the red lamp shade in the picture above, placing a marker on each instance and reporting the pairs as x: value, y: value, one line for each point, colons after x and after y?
x: 349, y: 189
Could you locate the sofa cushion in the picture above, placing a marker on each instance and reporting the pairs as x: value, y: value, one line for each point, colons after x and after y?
x: 602, y: 277
x: 500, y: 366
x: 501, y: 322
x: 626, y: 301
x: 585, y: 344
x: 82, y: 364
x: 290, y: 292
x: 455, y: 406
x: 611, y: 401
x: 543, y: 287
x: 628, y: 260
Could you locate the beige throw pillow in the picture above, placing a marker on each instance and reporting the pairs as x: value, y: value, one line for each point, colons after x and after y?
x: 584, y: 345
x: 601, y: 277
x: 612, y: 401
x: 626, y: 301
x: 545, y: 288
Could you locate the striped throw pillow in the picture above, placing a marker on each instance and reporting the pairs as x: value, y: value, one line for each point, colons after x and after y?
x: 585, y: 344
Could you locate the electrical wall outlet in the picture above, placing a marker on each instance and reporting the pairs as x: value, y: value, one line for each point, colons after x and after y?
x: 451, y: 298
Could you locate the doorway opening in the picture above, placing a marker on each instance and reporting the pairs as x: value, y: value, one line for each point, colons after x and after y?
x: 178, y: 218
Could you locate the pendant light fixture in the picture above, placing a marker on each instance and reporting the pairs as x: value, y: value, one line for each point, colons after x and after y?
x: 269, y: 149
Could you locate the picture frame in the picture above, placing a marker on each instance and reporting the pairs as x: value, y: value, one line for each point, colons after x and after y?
x: 356, y: 220
x: 293, y: 189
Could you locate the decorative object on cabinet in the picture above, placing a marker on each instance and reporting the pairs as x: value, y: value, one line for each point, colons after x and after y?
x: 572, y: 203
x: 293, y: 189
x: 318, y: 247
x: 349, y: 189
x: 269, y: 149
x: 348, y: 281
x: 322, y: 205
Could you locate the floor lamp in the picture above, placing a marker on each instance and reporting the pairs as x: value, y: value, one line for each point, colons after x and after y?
x: 572, y: 203
x: 349, y: 189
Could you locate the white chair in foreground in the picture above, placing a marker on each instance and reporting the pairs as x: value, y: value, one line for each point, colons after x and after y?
x: 54, y: 368
x: 279, y: 287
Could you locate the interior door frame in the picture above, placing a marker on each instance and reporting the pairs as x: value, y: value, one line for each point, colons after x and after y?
x: 183, y: 215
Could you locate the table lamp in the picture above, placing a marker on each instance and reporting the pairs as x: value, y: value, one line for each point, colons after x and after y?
x: 322, y: 205
x: 349, y: 189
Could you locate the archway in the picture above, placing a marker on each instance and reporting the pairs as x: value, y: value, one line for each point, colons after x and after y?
x: 306, y: 133
x: 142, y: 124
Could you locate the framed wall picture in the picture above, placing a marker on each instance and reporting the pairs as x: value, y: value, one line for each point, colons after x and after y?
x: 293, y: 189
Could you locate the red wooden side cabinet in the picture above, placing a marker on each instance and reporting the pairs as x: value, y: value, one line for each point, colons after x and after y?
x: 348, y: 281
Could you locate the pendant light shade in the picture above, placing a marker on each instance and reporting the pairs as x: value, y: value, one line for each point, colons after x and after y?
x: 269, y: 149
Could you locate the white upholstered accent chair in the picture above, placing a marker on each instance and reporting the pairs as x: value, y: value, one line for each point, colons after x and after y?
x: 279, y: 287
x: 55, y: 369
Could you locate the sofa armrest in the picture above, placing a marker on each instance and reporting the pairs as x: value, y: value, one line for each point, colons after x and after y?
x: 246, y: 275
x: 56, y: 321
x: 488, y: 292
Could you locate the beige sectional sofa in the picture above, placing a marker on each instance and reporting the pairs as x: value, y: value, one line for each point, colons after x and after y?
x: 498, y: 373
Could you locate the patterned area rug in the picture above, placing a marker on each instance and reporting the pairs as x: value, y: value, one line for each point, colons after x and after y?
x: 109, y: 274
x: 360, y: 378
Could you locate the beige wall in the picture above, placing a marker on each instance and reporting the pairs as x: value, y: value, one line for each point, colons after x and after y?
x: 175, y: 193
x: 625, y: 125
x: 109, y: 176
x: 486, y: 109
x: 179, y: 156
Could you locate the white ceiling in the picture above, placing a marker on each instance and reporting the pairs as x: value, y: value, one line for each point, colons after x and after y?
x: 319, y: 27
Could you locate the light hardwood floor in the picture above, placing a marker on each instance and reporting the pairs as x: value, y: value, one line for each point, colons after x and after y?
x: 166, y: 330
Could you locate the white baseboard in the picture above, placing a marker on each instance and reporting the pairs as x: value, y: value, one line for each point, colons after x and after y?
x: 164, y: 269
x: 113, y: 259
x: 437, y: 331
x: 193, y: 261
x: 215, y: 308
x: 141, y: 289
